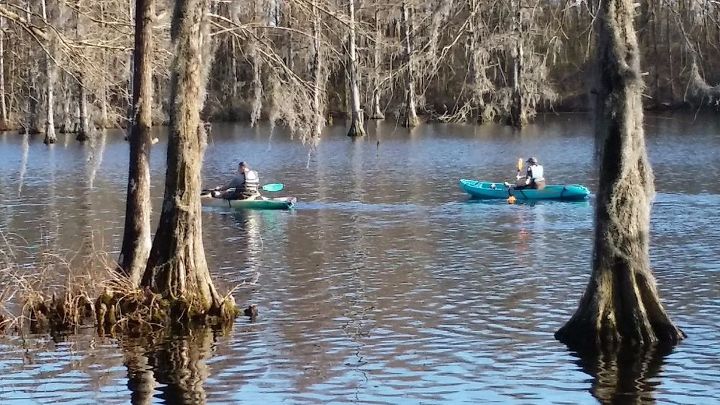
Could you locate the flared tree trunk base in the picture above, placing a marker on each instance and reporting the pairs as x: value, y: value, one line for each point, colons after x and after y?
x: 410, y: 121
x: 356, y: 129
x: 82, y: 136
x: 133, y: 310
x: 586, y: 336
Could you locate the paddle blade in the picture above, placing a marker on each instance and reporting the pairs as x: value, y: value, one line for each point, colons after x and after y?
x: 272, y: 187
x: 520, y: 164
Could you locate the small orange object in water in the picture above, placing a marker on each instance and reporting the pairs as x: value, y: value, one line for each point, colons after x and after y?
x: 511, y: 200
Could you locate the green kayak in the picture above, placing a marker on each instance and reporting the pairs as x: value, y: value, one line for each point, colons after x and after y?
x: 486, y: 189
x: 260, y: 203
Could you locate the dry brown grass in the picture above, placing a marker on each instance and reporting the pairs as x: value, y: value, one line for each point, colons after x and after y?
x: 59, y: 294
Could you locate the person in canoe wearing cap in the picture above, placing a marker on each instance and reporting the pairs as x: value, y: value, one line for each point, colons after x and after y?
x: 243, y: 186
x: 533, y: 178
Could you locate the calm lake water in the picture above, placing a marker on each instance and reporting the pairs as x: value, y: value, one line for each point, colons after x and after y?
x: 385, y: 284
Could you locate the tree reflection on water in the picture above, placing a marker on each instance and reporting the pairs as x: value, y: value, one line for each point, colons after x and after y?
x: 173, y: 368
x: 626, y: 374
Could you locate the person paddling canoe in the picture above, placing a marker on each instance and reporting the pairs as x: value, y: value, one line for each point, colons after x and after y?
x: 533, y: 178
x: 243, y: 186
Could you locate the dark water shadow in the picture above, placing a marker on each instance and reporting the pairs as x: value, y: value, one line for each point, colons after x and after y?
x: 624, y: 375
x: 172, y: 369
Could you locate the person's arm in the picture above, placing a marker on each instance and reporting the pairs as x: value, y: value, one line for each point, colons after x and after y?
x: 234, y: 183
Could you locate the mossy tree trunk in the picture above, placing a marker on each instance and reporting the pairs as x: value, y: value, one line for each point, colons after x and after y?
x: 356, y: 121
x: 176, y: 267
x: 410, y: 118
x: 136, y: 238
x: 621, y: 302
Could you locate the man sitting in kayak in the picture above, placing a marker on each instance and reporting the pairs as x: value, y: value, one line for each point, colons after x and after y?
x: 243, y: 186
x: 533, y: 176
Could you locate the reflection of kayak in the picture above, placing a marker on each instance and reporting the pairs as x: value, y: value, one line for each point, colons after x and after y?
x: 260, y: 203
x: 486, y: 189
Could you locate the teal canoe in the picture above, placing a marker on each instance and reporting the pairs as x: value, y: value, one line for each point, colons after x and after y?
x: 486, y: 189
x: 261, y: 203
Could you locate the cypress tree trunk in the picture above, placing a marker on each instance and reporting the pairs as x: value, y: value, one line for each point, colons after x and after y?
x: 3, y: 106
x: 84, y: 126
x: 256, y: 63
x: 104, y: 118
x: 377, y: 113
x: 316, y: 73
x: 257, y: 85
x: 67, y: 118
x: 621, y: 302
x: 517, y: 117
x: 176, y: 267
x: 50, y: 136
x: 356, y: 120
x: 136, y: 238
x: 83, y: 130
x: 34, y: 118
x: 410, y: 119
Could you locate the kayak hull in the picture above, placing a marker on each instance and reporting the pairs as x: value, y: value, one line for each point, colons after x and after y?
x: 490, y: 190
x: 262, y: 203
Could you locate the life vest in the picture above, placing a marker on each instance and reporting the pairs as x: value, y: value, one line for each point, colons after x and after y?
x: 252, y: 182
x: 535, y: 172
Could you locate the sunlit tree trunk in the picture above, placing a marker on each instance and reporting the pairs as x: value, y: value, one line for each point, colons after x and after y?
x: 176, y: 267
x: 517, y: 117
x: 104, y: 118
x: 136, y: 239
x: 256, y: 62
x: 377, y: 113
x: 83, y: 131
x: 356, y: 120
x: 3, y: 105
x: 289, y: 49
x: 621, y: 302
x: 410, y: 118
x: 317, y: 74
x: 34, y: 119
x: 67, y: 117
x: 50, y: 136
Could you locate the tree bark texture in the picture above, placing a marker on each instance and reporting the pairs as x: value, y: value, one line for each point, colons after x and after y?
x: 50, y: 72
x: 83, y: 132
x: 621, y: 302
x: 356, y: 117
x: 176, y: 267
x: 377, y: 113
x: 317, y: 74
x: 410, y: 118
x: 136, y: 238
x: 517, y: 118
x: 4, y: 124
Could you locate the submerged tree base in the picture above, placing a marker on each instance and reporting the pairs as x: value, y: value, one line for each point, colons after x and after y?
x: 141, y: 308
x: 587, y: 336
x: 57, y: 314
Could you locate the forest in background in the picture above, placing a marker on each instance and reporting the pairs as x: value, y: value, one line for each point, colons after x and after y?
x: 67, y: 65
